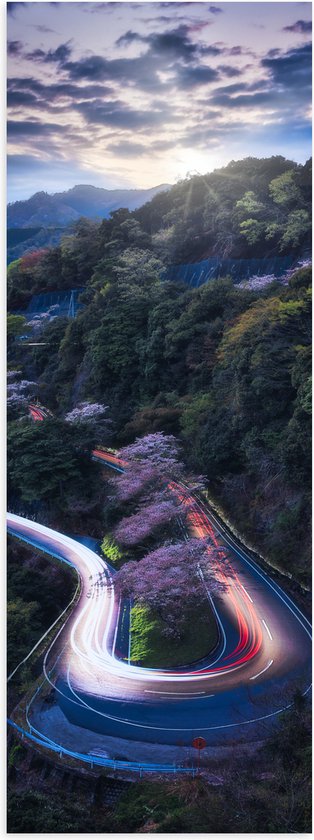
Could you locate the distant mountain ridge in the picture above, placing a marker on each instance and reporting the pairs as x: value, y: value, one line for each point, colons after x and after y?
x: 60, y: 209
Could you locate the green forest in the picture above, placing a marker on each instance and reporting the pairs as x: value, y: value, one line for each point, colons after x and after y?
x: 224, y: 369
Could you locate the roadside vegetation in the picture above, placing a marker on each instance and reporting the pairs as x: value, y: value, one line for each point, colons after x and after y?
x: 39, y: 588
x: 150, y: 649
x: 268, y: 792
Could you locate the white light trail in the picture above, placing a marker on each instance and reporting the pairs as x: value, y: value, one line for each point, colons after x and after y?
x: 267, y: 630
x: 263, y: 671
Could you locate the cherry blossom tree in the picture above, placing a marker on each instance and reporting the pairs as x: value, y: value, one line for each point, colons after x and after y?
x: 91, y: 419
x: 86, y: 412
x: 152, y: 461
x: 170, y: 580
x: 19, y: 391
x: 134, y: 529
x: 150, y: 481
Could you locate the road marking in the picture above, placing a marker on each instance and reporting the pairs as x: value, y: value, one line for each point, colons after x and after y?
x: 263, y: 671
x: 247, y: 594
x: 176, y: 693
x: 267, y: 629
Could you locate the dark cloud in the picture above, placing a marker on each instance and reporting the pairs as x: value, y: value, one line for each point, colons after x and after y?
x: 189, y: 77
x: 300, y: 26
x: 34, y: 128
x: 36, y: 55
x: 291, y: 70
x: 15, y: 47
x: 174, y: 44
x: 238, y: 50
x: 140, y: 71
x: 239, y: 87
x: 93, y: 67
x: 211, y: 50
x: 43, y: 29
x: 215, y: 10
x: 128, y: 38
x: 12, y: 8
x: 95, y: 8
x: 245, y: 100
x: 61, y: 54
x: 59, y: 90
x: 229, y: 71
x: 58, y: 56
x: 17, y: 99
x: 116, y: 113
x: 127, y: 149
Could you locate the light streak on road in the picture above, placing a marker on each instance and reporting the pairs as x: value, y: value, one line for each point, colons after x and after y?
x: 263, y: 671
x: 267, y: 630
x: 88, y: 662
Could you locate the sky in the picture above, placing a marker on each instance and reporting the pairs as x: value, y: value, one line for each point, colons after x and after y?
x: 127, y: 94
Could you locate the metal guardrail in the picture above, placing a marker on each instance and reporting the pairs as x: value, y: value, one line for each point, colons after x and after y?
x: 101, y: 761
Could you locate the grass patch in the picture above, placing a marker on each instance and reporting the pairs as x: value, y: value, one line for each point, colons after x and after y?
x: 112, y: 552
x: 150, y: 648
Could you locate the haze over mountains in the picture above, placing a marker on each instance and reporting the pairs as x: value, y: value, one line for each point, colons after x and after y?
x: 61, y: 209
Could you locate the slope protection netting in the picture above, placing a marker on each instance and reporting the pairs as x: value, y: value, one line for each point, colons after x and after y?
x: 58, y: 303
x: 195, y: 274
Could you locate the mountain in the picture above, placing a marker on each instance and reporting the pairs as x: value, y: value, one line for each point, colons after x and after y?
x: 60, y: 209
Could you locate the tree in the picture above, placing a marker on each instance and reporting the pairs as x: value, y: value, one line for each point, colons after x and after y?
x: 297, y: 226
x: 283, y: 189
x: 152, y: 462
x: 149, y: 519
x: 16, y: 326
x: 167, y: 580
x: 46, y: 461
x: 23, y: 623
x: 91, y: 417
x: 19, y: 392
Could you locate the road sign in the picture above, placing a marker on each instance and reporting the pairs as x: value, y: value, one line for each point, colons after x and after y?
x: 199, y: 743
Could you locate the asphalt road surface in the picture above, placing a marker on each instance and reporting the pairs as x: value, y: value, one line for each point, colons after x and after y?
x: 262, y: 658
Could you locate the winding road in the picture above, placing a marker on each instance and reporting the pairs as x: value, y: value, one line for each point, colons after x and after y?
x: 263, y: 655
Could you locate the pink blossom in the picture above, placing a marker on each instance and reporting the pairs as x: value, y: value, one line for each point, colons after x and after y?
x: 133, y: 529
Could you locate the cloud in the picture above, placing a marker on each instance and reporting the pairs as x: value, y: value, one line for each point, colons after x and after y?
x: 246, y: 100
x: 215, y: 10
x: 15, y: 47
x: 43, y: 29
x: 174, y: 44
x: 300, y: 26
x: 19, y: 98
x: 189, y: 77
x: 12, y: 8
x: 212, y: 49
x: 291, y: 70
x: 34, y: 128
x: 128, y: 38
x: 116, y: 113
x: 59, y: 90
x: 58, y: 56
x: 140, y: 72
x: 229, y: 71
x: 61, y: 54
x: 127, y: 149
x: 36, y: 55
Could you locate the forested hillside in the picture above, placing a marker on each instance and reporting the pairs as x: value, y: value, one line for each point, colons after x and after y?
x: 227, y: 370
